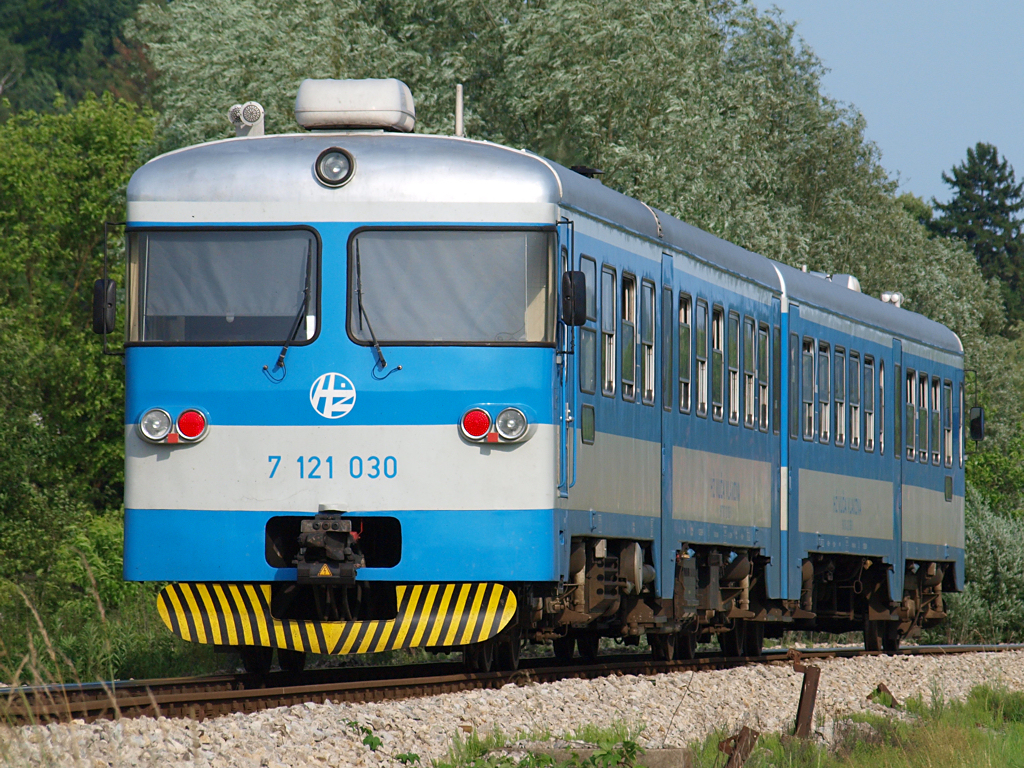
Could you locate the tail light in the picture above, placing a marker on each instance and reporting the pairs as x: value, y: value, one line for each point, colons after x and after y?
x: 475, y: 424
x: 192, y: 425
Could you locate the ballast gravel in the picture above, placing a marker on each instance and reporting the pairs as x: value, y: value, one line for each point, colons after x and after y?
x: 674, y: 710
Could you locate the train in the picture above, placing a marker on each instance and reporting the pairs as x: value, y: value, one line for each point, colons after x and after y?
x: 389, y: 390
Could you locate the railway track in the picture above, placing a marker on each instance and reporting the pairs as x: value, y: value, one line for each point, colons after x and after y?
x: 202, y: 697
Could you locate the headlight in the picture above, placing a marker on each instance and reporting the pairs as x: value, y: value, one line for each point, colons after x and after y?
x: 511, y: 424
x: 155, y: 424
x: 334, y: 167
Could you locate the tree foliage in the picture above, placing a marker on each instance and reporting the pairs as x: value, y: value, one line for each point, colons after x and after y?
x: 984, y: 214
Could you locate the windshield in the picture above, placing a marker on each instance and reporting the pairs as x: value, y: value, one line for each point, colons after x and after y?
x: 230, y: 286
x: 452, y: 286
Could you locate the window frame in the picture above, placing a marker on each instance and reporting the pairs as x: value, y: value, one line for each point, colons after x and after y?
x: 854, y: 396
x: 609, y: 338
x: 868, y: 393
x: 717, y: 341
x: 628, y: 346
x: 647, y: 334
x: 807, y: 389
x: 733, y: 354
x: 703, y: 369
x: 684, y: 371
x: 839, y: 395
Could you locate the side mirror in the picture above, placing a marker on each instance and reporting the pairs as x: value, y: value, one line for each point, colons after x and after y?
x: 977, y: 424
x: 574, y: 298
x: 104, y: 306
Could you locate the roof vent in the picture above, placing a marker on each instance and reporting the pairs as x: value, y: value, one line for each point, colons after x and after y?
x: 355, y: 105
x: 893, y: 297
x: 847, y: 281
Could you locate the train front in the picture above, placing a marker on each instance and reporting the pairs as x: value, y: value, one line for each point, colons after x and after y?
x: 342, y: 384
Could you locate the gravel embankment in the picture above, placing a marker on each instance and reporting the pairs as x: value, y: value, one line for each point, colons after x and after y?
x: 674, y: 709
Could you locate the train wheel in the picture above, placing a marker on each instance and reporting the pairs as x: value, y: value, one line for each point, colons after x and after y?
x: 588, y: 643
x: 479, y: 657
x: 508, y: 645
x: 686, y: 645
x: 663, y: 646
x: 754, y: 642
x: 563, y: 648
x: 734, y: 642
x: 890, y: 637
x: 872, y: 635
x: 256, y: 659
x: 291, y: 661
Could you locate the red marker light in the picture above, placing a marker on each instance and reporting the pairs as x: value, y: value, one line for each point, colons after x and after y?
x: 476, y: 423
x: 191, y: 424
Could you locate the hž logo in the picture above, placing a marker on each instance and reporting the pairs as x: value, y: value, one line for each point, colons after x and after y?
x: 332, y: 395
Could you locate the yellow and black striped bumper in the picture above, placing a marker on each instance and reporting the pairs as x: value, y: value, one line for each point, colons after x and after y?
x: 428, y: 615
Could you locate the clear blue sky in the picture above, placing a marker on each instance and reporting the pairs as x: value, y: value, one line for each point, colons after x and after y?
x: 931, y: 78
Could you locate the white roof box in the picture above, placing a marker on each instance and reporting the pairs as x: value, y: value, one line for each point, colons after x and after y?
x: 355, y: 104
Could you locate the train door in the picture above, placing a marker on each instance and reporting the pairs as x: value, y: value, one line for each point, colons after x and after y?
x: 779, y: 513
x: 564, y: 357
x: 896, y: 574
x: 669, y: 541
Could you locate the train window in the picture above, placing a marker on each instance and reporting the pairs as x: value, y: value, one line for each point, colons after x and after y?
x: 588, y: 360
x: 807, y: 385
x: 776, y: 378
x: 587, y: 428
x: 961, y: 423
x: 922, y: 417
x: 936, y: 420
x: 589, y: 269
x: 431, y: 286
x: 647, y: 372
x: 854, y: 394
x: 824, y: 391
x: 762, y: 376
x: 897, y: 413
x: 869, y: 404
x: 947, y: 422
x: 667, y: 335
x: 839, y: 390
x: 628, y: 373
x: 701, y: 353
x: 717, y: 339
x: 911, y: 389
x: 224, y: 286
x: 685, y: 309
x: 608, y: 317
x: 881, y: 407
x: 734, y: 368
x: 749, y: 381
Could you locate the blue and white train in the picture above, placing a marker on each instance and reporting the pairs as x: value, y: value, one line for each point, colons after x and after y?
x: 388, y: 390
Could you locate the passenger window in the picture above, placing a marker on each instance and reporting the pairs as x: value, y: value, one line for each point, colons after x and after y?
x: 717, y: 339
x: 749, y: 382
x: 911, y: 400
x: 762, y: 376
x: 794, y: 386
x: 608, y: 331
x: 667, y: 335
x: 807, y: 385
x: 824, y: 391
x: 628, y: 373
x: 947, y: 422
x: 685, y: 309
x: 869, y: 404
x: 647, y: 316
x: 776, y: 379
x: 839, y: 388
x: 922, y: 417
x: 854, y: 401
x: 734, y: 368
x: 881, y: 407
x: 701, y: 353
x: 935, y: 433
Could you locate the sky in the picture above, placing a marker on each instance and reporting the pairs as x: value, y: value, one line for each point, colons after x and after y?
x: 931, y: 78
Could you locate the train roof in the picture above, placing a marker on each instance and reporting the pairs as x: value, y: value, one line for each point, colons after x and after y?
x: 400, y: 168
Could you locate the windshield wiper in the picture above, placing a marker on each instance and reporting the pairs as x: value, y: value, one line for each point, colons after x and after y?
x: 381, y: 363
x: 301, y: 314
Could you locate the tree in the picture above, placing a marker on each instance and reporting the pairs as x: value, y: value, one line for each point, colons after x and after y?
x: 982, y: 213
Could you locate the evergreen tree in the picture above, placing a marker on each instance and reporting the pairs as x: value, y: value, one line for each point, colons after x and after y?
x: 982, y: 213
